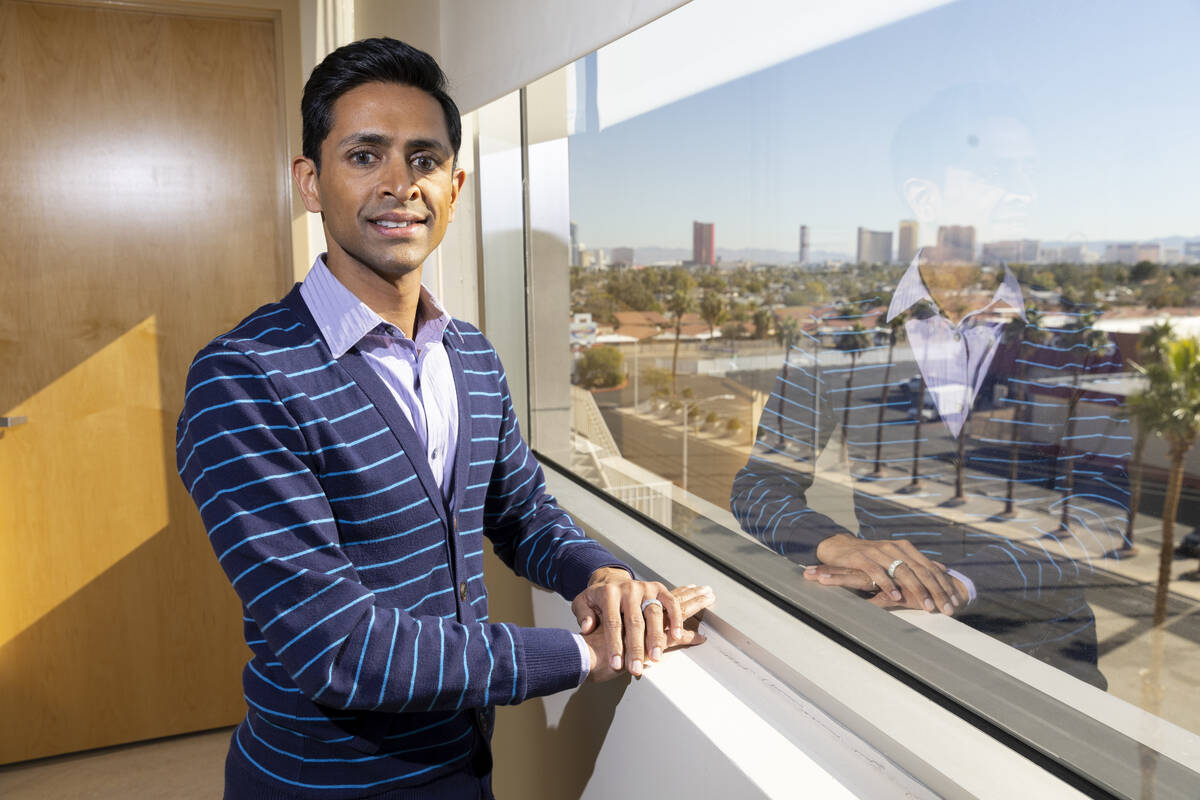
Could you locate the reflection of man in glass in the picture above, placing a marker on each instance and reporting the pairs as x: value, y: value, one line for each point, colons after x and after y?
x: 983, y: 502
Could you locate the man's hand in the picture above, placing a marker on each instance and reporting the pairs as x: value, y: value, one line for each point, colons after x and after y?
x: 691, y: 600
x: 613, y: 604
x: 862, y: 564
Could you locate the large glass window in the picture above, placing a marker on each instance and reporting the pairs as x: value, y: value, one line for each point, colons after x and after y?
x: 901, y: 299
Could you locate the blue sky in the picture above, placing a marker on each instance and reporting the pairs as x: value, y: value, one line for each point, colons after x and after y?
x: 1109, y: 93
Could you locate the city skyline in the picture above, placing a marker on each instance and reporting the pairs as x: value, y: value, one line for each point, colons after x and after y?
x: 1106, y: 140
x: 872, y: 245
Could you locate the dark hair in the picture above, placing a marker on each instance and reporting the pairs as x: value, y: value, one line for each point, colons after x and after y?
x: 366, y: 61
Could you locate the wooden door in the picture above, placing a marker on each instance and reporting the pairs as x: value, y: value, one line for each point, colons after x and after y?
x: 143, y: 210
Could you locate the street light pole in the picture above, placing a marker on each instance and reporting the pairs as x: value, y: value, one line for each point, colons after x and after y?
x: 685, y: 427
x: 635, y: 376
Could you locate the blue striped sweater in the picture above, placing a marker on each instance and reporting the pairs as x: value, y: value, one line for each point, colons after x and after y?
x: 374, y: 661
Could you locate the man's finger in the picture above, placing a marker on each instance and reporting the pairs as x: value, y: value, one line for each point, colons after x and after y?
x: 878, y: 573
x: 930, y: 572
x: 656, y: 635
x: 672, y: 610
x: 841, y: 576
x: 610, y: 618
x: 692, y: 600
x: 689, y: 638
x: 936, y: 583
x: 584, y: 615
x: 915, y: 591
x: 635, y: 627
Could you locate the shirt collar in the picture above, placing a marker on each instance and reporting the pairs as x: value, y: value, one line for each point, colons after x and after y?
x: 911, y: 290
x: 344, y: 319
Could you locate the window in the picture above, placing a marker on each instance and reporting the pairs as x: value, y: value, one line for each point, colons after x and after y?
x: 923, y: 275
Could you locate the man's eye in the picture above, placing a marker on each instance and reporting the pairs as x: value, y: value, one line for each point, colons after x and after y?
x: 362, y: 157
x: 425, y: 163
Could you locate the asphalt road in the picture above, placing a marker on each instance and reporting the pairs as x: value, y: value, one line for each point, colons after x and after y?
x: 711, y: 468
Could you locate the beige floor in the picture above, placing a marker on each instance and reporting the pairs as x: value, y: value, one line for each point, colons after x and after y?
x: 187, y: 767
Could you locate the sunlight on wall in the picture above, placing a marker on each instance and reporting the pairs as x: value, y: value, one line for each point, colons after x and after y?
x: 83, y: 482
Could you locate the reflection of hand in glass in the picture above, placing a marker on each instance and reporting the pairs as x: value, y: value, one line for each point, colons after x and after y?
x: 862, y: 564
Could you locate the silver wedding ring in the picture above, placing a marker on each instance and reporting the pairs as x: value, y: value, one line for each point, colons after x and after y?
x: 891, y: 570
x: 652, y: 602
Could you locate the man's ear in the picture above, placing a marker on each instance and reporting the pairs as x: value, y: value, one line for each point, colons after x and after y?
x: 456, y: 183
x: 924, y: 198
x: 304, y: 173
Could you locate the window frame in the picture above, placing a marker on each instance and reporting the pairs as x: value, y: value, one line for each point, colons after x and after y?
x: 1039, y: 727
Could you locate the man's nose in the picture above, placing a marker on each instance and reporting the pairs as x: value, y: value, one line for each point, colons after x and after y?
x: 399, y: 181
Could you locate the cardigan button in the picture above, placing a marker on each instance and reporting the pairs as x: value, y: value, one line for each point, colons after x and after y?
x: 462, y: 590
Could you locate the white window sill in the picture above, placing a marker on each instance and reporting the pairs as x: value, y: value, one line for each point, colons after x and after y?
x: 876, y: 717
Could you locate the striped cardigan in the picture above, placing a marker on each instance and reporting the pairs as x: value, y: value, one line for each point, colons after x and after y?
x: 374, y: 662
x: 1057, y: 427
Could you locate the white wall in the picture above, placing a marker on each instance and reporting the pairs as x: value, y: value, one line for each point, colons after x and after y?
x: 491, y: 48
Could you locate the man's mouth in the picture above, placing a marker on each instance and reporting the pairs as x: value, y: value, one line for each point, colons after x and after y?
x: 398, y: 223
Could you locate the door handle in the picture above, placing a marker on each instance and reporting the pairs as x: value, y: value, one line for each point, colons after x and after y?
x: 12, y: 422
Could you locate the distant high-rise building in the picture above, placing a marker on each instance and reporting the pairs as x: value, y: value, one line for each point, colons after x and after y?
x: 956, y: 244
x: 803, y: 245
x: 1191, y: 249
x: 908, y: 241
x: 1131, y: 252
x: 703, y: 244
x: 621, y: 257
x: 874, y: 247
x: 1017, y: 251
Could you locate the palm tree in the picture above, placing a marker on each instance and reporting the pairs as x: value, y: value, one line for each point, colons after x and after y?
x: 1094, y: 342
x: 1154, y: 341
x: 681, y: 301
x: 853, y: 343
x: 895, y: 333
x: 1031, y: 333
x: 1151, y: 348
x: 787, y: 330
x: 712, y: 310
x: 762, y: 323
x: 1174, y: 395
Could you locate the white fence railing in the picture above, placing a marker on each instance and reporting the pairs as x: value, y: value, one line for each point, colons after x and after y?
x: 587, y: 422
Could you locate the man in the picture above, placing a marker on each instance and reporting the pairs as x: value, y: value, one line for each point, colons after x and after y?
x: 1013, y: 569
x: 350, y: 446
x: 930, y: 472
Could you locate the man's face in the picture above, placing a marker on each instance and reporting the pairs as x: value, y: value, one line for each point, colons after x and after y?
x: 994, y: 188
x: 387, y: 185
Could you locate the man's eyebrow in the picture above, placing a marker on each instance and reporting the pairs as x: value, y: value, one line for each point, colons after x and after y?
x: 428, y: 144
x: 383, y: 140
x: 365, y: 137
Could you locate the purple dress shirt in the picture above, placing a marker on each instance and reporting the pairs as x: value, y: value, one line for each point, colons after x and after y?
x: 416, y: 372
x: 953, y: 359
